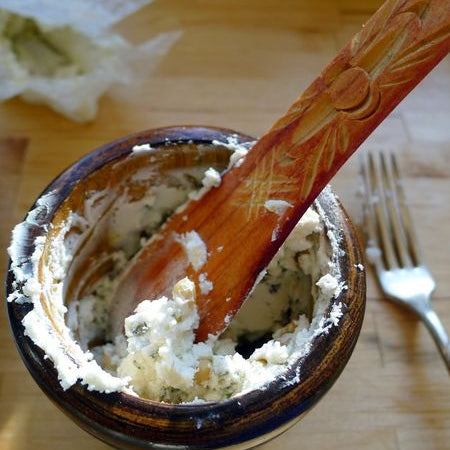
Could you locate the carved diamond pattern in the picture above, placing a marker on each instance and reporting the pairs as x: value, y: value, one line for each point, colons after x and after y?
x: 263, y: 185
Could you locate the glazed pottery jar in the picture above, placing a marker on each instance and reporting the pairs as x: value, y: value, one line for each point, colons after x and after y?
x: 126, y: 421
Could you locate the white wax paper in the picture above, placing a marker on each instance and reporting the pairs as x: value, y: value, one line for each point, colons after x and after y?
x: 61, y: 53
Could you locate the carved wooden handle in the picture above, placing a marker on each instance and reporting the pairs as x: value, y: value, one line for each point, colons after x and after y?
x: 293, y: 162
x: 395, y: 49
x: 302, y: 151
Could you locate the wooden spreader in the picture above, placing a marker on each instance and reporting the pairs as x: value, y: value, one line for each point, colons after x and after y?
x: 292, y: 162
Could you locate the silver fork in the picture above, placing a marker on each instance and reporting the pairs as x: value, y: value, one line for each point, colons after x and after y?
x: 393, y: 247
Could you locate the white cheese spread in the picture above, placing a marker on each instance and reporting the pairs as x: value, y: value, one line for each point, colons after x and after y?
x: 195, y: 249
x: 158, y: 358
x: 277, y: 206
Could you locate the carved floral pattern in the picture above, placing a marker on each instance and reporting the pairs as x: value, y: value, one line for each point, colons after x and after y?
x: 367, y: 79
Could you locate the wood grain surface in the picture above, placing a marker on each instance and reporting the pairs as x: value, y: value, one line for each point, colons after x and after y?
x: 239, y: 64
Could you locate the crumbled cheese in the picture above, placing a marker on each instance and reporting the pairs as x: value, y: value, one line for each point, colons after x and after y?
x: 278, y: 207
x: 237, y: 158
x: 212, y: 178
x: 144, y: 148
x: 165, y: 364
x: 336, y: 314
x: 239, y: 150
x: 309, y: 223
x: 328, y: 284
x: 161, y: 347
x: 158, y: 358
x: 206, y: 286
x: 271, y: 353
x: 195, y: 249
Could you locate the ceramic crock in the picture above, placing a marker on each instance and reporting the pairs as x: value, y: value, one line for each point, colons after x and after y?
x: 128, y: 422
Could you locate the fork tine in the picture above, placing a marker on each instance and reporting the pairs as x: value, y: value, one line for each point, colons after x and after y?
x: 369, y: 214
x: 390, y: 180
x: 372, y: 229
x: 410, y: 233
x: 381, y: 212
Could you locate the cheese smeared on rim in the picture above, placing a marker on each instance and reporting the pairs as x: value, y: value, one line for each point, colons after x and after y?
x: 290, y: 303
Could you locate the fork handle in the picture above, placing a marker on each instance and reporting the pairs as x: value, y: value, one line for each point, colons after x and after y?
x: 437, y: 330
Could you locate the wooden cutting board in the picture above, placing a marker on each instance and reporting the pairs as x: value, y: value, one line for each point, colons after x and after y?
x: 238, y: 64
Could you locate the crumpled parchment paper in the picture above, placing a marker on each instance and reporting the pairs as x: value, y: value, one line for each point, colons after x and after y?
x: 62, y: 53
